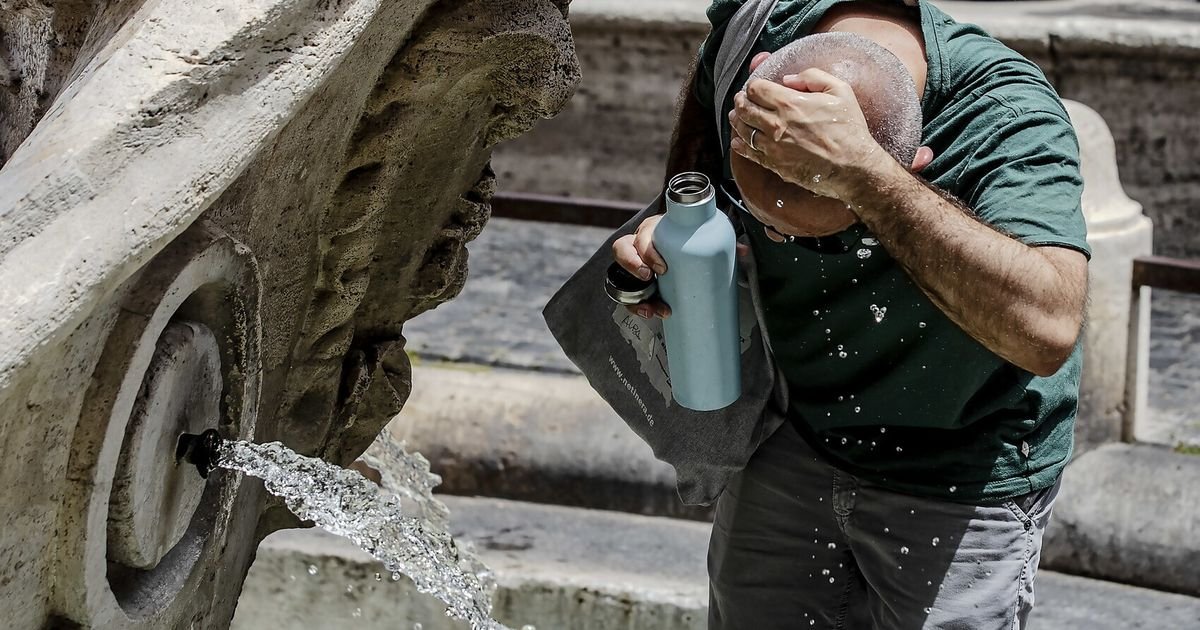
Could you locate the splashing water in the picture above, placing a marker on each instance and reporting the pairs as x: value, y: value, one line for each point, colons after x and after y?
x: 404, y: 527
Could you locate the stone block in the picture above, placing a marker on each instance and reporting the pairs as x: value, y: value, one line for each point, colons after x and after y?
x: 1129, y: 513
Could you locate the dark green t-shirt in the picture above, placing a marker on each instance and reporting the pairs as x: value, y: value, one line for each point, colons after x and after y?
x: 882, y: 383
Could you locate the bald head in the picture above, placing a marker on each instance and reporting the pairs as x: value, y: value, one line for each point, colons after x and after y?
x: 888, y: 97
x: 881, y: 83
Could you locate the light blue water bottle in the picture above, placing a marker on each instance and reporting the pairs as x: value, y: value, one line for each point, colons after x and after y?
x: 699, y: 246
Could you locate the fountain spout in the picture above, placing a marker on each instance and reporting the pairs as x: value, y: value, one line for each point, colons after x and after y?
x: 199, y: 450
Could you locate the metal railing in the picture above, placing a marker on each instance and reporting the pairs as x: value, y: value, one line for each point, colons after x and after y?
x: 1150, y: 272
x: 554, y: 209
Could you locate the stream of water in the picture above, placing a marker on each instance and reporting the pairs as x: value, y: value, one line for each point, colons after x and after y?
x: 401, y: 524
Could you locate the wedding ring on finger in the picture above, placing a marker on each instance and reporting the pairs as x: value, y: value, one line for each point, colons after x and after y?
x: 753, y: 132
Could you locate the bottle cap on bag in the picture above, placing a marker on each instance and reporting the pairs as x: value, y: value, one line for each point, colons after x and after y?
x: 626, y: 288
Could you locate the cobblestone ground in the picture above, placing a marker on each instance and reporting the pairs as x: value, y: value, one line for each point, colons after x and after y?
x: 515, y: 266
x: 1174, y: 392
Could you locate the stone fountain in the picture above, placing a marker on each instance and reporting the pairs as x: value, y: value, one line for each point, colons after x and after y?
x: 220, y: 215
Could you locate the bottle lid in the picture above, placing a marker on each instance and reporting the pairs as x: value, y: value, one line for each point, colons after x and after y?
x: 626, y: 288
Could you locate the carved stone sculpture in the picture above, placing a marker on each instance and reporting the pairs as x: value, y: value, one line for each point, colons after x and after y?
x: 220, y: 214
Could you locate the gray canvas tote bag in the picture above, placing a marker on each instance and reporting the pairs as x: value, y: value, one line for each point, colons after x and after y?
x: 624, y: 357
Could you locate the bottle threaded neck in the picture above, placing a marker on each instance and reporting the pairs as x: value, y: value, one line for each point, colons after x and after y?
x: 690, y: 188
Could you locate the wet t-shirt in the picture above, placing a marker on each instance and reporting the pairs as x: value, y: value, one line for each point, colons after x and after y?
x: 882, y: 382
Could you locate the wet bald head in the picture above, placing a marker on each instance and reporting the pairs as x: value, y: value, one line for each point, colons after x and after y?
x: 888, y: 97
x: 881, y: 83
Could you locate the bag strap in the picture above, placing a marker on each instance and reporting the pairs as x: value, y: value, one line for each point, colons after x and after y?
x: 736, y: 43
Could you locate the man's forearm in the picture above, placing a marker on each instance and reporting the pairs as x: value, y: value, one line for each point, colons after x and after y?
x: 1023, y: 303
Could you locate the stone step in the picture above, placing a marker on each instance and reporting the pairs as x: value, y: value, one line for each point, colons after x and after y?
x: 533, y: 436
x: 561, y: 568
x: 1126, y: 512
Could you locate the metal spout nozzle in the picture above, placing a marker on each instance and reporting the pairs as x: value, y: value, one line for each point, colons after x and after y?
x: 199, y: 451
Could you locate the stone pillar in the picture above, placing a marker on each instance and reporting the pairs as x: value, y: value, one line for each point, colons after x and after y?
x: 220, y: 214
x: 1118, y: 232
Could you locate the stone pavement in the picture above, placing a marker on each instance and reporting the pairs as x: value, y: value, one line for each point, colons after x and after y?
x: 561, y: 568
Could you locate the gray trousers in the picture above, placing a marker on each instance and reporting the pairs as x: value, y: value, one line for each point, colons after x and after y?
x: 797, y: 543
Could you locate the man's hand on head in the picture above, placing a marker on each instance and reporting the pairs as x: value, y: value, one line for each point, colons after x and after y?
x: 810, y: 131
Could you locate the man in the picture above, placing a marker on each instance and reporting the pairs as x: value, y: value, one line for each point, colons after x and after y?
x: 930, y: 347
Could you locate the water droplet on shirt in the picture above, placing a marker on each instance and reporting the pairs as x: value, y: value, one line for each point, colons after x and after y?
x: 378, y: 577
x: 869, y: 242
x: 953, y: 488
x: 904, y: 551
x: 879, y: 312
x: 853, y: 280
x: 396, y: 577
x: 864, y: 254
x: 883, y: 429
x: 936, y: 540
x: 928, y: 610
x: 833, y: 545
x: 817, y: 313
x: 824, y: 571
x: 843, y: 441
x: 357, y: 612
x: 816, y: 179
x: 779, y: 203
x: 857, y: 409
x: 922, y: 324
x: 841, y: 398
x: 831, y: 580
x: 417, y: 626
x: 842, y: 354
x: 828, y: 331
x: 899, y: 449
x: 886, y: 530
x: 312, y: 569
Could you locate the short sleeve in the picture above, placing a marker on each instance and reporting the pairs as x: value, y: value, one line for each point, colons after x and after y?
x: 1024, y: 179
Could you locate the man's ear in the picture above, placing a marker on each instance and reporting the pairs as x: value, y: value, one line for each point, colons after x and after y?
x: 922, y: 159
